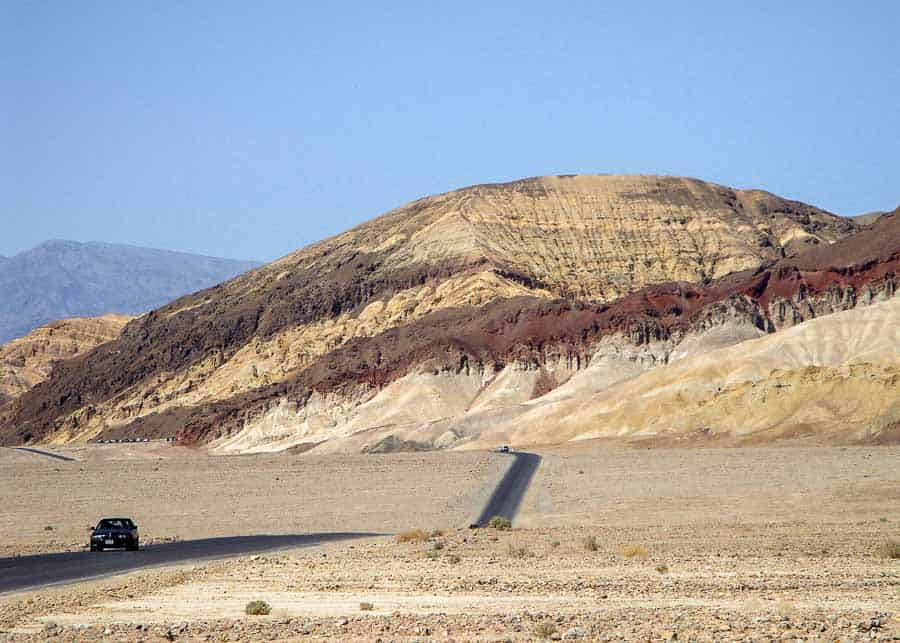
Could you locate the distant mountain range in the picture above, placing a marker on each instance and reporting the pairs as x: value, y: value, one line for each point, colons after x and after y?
x: 62, y: 279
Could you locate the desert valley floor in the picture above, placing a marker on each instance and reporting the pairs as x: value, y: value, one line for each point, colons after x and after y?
x: 610, y: 543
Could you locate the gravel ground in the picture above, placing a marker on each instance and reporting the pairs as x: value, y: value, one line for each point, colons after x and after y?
x: 758, y: 554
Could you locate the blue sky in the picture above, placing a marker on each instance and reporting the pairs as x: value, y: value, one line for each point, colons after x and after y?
x: 249, y: 129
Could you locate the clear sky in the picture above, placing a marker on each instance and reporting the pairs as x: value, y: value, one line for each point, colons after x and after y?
x: 249, y: 129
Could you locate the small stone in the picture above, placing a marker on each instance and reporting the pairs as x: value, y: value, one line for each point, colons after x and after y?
x: 574, y: 633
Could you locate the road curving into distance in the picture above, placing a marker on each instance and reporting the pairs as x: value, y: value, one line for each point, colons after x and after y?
x: 31, y: 572
x: 511, y: 489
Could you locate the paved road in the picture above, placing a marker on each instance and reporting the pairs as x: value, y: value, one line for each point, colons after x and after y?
x: 46, y: 453
x: 508, y: 495
x: 24, y: 572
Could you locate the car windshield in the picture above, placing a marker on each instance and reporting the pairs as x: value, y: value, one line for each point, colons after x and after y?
x: 115, y: 523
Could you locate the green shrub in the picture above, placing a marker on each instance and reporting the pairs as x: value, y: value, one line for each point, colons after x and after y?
x: 501, y: 523
x: 258, y: 608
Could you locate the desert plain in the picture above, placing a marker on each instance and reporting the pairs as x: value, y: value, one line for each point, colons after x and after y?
x: 610, y: 543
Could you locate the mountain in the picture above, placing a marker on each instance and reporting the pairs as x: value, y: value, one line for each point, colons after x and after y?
x: 63, y: 279
x: 523, y: 370
x: 464, y: 290
x: 26, y: 361
x: 867, y: 219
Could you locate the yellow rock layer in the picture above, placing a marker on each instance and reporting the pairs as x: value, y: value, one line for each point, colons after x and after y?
x: 26, y: 361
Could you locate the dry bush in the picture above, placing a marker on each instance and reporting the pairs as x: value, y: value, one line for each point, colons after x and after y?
x: 662, y: 568
x: 437, y: 546
x: 437, y: 533
x: 366, y: 606
x: 257, y: 608
x: 889, y: 550
x: 414, y: 536
x: 545, y: 630
x: 590, y: 543
x: 634, y: 551
x: 517, y: 551
x: 501, y: 523
x: 453, y: 559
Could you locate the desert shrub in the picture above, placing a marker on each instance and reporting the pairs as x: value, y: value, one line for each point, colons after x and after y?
x: 414, y: 536
x: 633, y: 551
x: 662, y: 568
x: 437, y: 533
x: 257, y: 608
x: 430, y: 554
x: 453, y: 559
x: 545, y: 630
x: 437, y: 546
x: 590, y: 543
x: 554, y: 543
x: 889, y: 549
x: 366, y: 606
x: 517, y: 551
x: 501, y: 523
x: 48, y: 528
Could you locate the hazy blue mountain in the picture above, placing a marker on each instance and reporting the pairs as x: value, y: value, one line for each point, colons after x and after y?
x: 60, y: 279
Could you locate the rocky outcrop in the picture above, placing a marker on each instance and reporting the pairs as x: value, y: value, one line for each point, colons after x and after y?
x: 515, y: 275
x: 27, y: 361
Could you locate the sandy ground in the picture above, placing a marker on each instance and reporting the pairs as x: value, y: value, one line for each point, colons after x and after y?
x: 595, y: 484
x: 701, y: 544
x: 177, y: 493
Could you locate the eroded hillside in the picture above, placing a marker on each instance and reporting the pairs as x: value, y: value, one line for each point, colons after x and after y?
x: 486, y: 276
x: 26, y: 361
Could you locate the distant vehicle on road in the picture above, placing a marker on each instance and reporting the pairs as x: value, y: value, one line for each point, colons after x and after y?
x: 502, y: 449
x: 115, y: 533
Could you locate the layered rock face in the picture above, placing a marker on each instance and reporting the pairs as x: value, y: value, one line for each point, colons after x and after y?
x: 27, y: 361
x: 479, y: 299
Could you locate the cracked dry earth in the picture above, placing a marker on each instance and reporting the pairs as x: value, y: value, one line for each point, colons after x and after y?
x: 706, y: 582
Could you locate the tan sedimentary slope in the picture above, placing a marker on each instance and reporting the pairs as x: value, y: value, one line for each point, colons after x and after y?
x: 589, y: 238
x: 26, y: 361
x: 445, y: 380
x: 836, y: 379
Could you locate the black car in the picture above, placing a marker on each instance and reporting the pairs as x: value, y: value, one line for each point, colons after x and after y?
x: 115, y: 533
